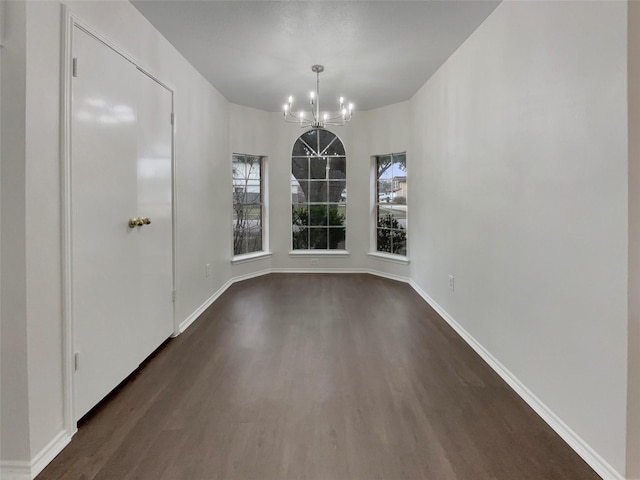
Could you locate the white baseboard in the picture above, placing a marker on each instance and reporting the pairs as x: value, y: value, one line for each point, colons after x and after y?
x: 390, y: 276
x: 27, y: 471
x: 15, y: 470
x: 49, y: 452
x: 30, y: 470
x: 593, y: 459
x: 186, y: 323
x: 247, y: 276
x: 318, y: 270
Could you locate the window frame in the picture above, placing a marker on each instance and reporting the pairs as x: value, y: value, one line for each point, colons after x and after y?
x: 375, y: 204
x: 264, y: 220
x: 318, y: 153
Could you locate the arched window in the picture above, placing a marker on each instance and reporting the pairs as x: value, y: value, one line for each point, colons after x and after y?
x: 318, y: 191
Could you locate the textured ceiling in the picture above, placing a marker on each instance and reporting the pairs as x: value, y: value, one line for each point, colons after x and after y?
x: 375, y: 53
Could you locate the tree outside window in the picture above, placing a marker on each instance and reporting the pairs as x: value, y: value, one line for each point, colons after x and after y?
x: 391, y: 203
x: 247, y: 204
x: 318, y: 192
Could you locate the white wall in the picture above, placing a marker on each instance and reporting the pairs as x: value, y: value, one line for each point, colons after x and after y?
x: 517, y: 160
x: 520, y: 151
x: 383, y: 131
x: 14, y: 409
x: 370, y: 133
x: 633, y: 395
x: 250, y: 133
x: 203, y: 170
x: 284, y: 136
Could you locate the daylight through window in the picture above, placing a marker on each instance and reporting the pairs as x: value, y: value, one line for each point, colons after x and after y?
x: 391, y: 203
x: 318, y: 192
x: 247, y: 204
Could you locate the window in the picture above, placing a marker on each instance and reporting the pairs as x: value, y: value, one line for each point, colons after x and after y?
x: 318, y: 191
x: 391, y: 203
x: 247, y: 204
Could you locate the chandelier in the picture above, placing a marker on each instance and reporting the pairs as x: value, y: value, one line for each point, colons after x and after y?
x: 314, y: 120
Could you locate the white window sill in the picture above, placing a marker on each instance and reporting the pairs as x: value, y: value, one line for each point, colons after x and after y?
x: 388, y: 257
x: 249, y: 257
x: 318, y: 253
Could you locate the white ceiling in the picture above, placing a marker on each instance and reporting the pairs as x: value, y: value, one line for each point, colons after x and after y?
x: 375, y: 53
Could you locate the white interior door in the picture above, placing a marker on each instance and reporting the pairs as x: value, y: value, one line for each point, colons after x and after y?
x: 154, y: 201
x: 120, y: 169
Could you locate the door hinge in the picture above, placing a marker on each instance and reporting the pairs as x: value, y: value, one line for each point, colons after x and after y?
x: 173, y: 295
x: 173, y: 118
x: 76, y: 361
x: 74, y: 67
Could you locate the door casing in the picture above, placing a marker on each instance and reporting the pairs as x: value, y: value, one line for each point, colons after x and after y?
x: 69, y: 21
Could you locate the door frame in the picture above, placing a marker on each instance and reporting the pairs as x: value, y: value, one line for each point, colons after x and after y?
x: 69, y: 22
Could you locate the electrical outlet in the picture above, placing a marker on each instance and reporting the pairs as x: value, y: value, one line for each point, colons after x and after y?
x: 315, y: 261
x: 451, y: 282
x: 207, y: 270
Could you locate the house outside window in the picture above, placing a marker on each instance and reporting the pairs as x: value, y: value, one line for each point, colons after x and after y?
x: 391, y: 204
x: 318, y: 192
x: 248, y: 204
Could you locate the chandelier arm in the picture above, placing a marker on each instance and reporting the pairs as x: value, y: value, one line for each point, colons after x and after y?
x: 333, y: 119
x: 317, y: 121
x: 296, y: 119
x: 289, y: 120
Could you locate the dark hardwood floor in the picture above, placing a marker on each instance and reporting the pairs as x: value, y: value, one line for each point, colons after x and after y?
x: 305, y: 376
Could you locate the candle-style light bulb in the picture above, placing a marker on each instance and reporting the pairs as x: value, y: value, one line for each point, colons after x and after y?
x: 290, y: 100
x: 341, y: 101
x: 286, y: 108
x: 350, y: 107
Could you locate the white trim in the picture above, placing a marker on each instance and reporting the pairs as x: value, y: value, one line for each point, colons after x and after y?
x: 593, y: 459
x: 15, y: 470
x: 49, y: 452
x: 90, y: 30
x: 319, y: 253
x: 247, y: 276
x: 186, y: 323
x: 69, y: 422
x: 390, y: 276
x: 29, y: 470
x: 174, y: 211
x: 250, y: 257
x: 387, y: 257
x: 264, y: 207
x: 318, y: 270
x: 201, y: 309
x: 70, y: 20
x: 265, y: 204
x: 373, y: 203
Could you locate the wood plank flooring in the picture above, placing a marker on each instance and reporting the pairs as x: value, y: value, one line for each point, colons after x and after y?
x: 305, y: 376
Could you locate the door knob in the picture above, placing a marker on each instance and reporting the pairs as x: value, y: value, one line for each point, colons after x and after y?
x: 139, y: 222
